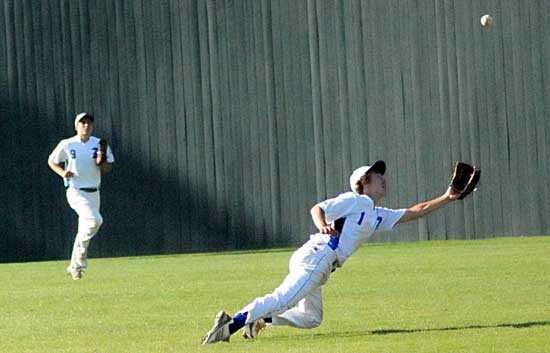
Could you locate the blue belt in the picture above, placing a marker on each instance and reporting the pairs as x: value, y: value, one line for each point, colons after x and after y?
x: 333, y: 242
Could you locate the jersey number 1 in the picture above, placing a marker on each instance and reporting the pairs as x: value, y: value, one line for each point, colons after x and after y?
x: 361, y: 218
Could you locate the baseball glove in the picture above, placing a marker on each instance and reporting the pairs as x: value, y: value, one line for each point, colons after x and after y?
x: 465, y: 178
x: 102, y: 148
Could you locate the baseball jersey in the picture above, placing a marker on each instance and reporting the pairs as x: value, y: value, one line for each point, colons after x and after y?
x: 79, y: 158
x: 362, y: 219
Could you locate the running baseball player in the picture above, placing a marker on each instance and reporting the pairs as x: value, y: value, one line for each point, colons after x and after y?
x: 80, y: 160
x: 344, y: 223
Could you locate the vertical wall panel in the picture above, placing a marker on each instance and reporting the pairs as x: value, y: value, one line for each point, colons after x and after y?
x: 229, y: 119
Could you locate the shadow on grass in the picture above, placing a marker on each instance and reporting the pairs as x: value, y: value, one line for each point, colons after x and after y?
x: 460, y: 328
x: 519, y: 325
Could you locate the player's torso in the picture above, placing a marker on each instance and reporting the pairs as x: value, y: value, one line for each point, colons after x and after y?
x: 354, y: 216
x: 358, y: 227
x: 81, y: 159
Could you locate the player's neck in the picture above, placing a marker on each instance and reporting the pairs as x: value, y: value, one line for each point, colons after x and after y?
x: 84, y: 138
x: 375, y: 198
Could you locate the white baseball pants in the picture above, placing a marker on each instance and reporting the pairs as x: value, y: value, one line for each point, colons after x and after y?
x: 86, y: 205
x: 298, y: 299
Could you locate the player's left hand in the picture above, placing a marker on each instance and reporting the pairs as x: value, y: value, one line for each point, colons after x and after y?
x: 101, y: 152
x: 464, y: 179
x: 99, y: 158
x: 452, y: 194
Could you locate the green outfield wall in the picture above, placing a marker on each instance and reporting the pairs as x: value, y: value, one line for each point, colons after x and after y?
x: 230, y: 119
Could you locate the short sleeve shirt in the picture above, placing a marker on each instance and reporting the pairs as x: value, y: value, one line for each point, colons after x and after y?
x: 363, y: 219
x: 79, y: 158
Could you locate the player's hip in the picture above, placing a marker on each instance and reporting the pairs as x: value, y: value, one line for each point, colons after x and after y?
x: 78, y: 198
x: 315, y: 257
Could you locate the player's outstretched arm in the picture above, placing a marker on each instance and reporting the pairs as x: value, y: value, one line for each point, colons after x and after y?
x: 424, y: 208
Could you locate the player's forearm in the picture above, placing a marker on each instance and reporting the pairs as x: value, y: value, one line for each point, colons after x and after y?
x: 318, y: 217
x: 56, y: 168
x: 106, y: 167
x: 424, y: 208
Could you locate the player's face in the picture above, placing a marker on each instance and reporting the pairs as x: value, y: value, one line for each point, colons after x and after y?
x: 85, y: 127
x: 377, y: 185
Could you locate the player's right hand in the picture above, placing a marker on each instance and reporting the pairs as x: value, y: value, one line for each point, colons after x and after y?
x: 329, y: 229
x: 68, y: 174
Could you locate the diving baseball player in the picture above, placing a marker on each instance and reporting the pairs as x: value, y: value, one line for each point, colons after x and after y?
x: 344, y: 223
x: 84, y: 158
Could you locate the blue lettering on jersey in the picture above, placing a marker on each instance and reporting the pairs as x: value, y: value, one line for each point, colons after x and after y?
x: 378, y: 221
x: 95, y: 153
x: 73, y: 154
x: 361, y: 218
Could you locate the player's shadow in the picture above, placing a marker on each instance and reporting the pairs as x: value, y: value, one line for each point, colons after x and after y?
x: 389, y: 331
x: 528, y: 324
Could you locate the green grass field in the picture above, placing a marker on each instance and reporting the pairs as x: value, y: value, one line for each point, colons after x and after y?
x: 454, y: 296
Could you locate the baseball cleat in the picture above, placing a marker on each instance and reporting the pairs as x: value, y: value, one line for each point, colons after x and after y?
x: 253, y: 329
x: 220, y: 330
x: 75, y: 274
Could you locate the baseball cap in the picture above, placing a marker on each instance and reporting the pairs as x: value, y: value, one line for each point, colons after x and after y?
x: 378, y: 167
x: 82, y: 116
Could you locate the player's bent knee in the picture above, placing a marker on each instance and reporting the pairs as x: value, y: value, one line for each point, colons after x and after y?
x: 93, y: 223
x: 314, y: 322
x: 97, y: 222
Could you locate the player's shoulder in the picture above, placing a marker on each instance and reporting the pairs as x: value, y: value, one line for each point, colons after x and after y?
x: 346, y: 196
x: 94, y: 139
x: 362, y: 200
x: 350, y: 195
x: 66, y: 141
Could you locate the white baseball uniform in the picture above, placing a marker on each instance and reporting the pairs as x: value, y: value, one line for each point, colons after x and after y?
x: 82, y: 190
x: 298, y: 300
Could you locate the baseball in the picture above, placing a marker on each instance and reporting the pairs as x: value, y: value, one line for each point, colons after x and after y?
x: 486, y: 20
